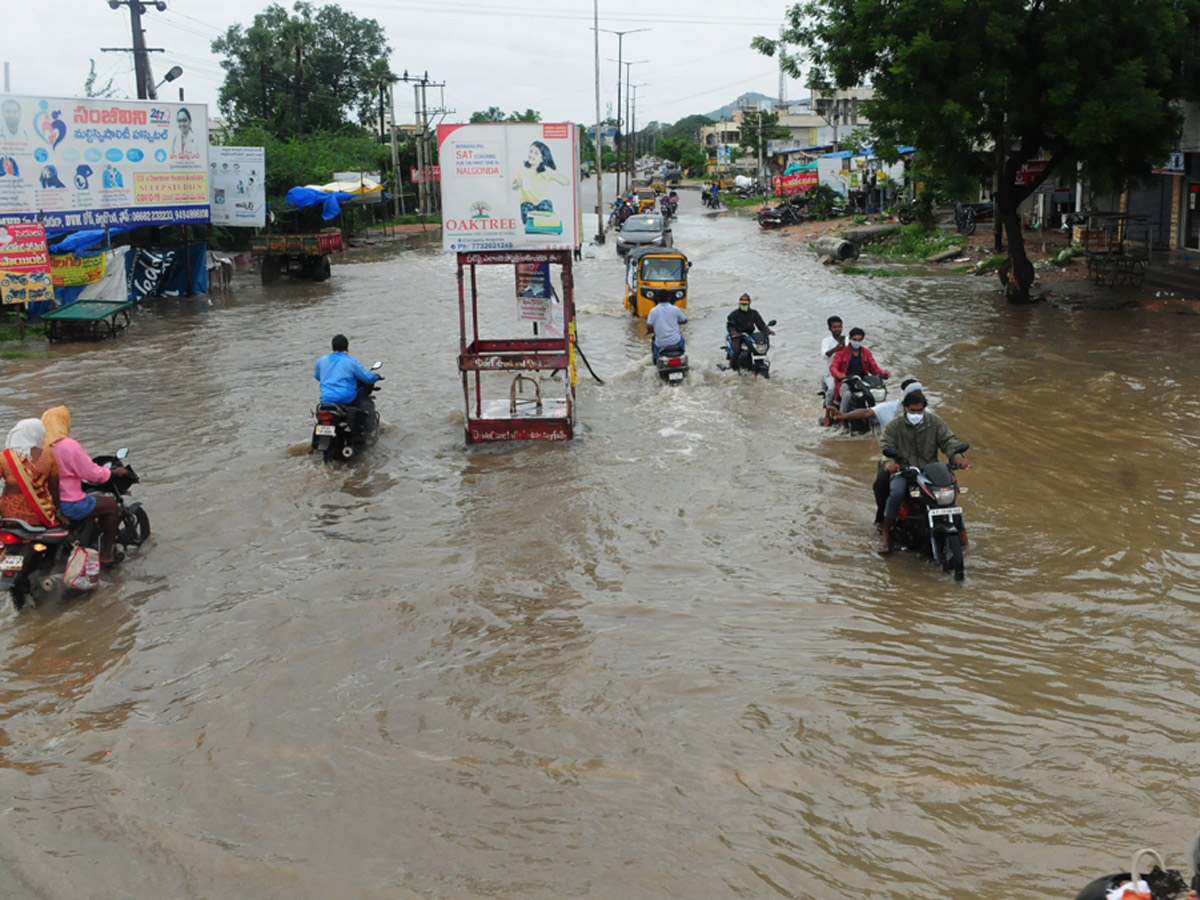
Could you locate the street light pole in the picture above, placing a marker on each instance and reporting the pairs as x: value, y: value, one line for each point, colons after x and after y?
x: 620, y: 48
x: 633, y: 121
x: 627, y: 163
x: 598, y: 145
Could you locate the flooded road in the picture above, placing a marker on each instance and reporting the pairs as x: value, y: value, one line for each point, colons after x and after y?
x: 659, y: 661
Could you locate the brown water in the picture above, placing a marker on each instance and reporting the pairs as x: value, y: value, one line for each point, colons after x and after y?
x: 660, y: 661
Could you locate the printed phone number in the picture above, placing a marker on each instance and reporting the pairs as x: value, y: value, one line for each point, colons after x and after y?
x: 483, y: 245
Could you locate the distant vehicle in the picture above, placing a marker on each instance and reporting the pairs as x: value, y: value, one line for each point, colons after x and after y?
x: 673, y: 175
x: 646, y: 198
x: 644, y: 230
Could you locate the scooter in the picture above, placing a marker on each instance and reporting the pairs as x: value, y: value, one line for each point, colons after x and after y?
x: 672, y: 365
x: 929, y: 521
x: 33, y: 555
x: 341, y: 430
x: 752, y: 355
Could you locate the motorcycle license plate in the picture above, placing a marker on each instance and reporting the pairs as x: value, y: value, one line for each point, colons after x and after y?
x: 12, y: 562
x: 326, y: 429
x: 947, y: 511
x: 675, y: 376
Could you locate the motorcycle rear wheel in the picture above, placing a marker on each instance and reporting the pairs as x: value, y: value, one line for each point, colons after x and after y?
x: 135, y: 528
x: 950, y: 550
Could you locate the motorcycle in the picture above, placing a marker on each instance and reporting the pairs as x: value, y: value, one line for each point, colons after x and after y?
x: 865, y: 391
x: 672, y: 365
x: 752, y: 355
x: 621, y: 211
x: 928, y: 519
x: 33, y: 555
x: 777, y: 216
x: 667, y: 206
x: 711, y: 201
x: 341, y: 430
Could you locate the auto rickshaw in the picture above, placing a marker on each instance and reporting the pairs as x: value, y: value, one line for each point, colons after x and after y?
x: 658, y: 184
x: 653, y: 272
x: 647, y: 200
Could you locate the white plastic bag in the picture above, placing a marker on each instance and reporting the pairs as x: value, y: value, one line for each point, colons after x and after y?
x: 83, y: 569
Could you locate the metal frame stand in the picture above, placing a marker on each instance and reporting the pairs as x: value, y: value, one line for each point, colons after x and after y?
x: 517, y: 416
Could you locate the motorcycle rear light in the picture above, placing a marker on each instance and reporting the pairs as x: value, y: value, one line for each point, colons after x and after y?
x: 6, y: 538
x: 324, y: 418
x: 40, y: 548
x: 675, y: 362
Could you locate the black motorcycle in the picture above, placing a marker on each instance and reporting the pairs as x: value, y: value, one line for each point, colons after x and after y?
x: 866, y: 391
x: 711, y: 200
x: 929, y: 521
x: 341, y: 430
x: 672, y: 365
x: 752, y: 353
x: 32, y: 557
x: 777, y: 216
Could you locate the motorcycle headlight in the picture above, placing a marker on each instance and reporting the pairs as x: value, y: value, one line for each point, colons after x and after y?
x: 944, y: 496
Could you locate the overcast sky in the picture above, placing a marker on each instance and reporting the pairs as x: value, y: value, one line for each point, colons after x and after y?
x: 508, y: 53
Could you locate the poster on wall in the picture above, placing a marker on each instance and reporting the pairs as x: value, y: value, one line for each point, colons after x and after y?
x: 509, y: 186
x: 76, y: 163
x: 24, y: 264
x: 235, y: 182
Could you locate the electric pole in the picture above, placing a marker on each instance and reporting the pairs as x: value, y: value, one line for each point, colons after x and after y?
x: 620, y: 45
x: 599, y: 144
x: 141, y: 59
x: 422, y: 116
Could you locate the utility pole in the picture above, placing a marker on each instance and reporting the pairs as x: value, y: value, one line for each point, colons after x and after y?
x: 599, y: 142
x: 633, y: 123
x: 620, y: 46
x: 422, y: 116
x: 397, y: 177
x: 624, y: 157
x: 141, y: 60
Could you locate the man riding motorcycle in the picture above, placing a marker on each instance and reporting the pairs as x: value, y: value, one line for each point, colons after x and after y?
x: 742, y: 320
x: 343, y: 378
x: 854, y: 359
x: 663, y: 322
x: 916, y: 436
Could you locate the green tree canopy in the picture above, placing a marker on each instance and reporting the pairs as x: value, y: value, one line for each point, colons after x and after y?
x: 317, y: 69
x: 530, y: 115
x: 760, y: 126
x: 491, y: 114
x: 981, y: 87
x: 687, y: 127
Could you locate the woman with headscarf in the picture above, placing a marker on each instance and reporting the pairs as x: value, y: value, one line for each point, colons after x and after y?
x: 74, y: 467
x: 28, y: 472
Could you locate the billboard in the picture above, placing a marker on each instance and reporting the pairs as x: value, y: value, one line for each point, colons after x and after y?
x: 24, y: 264
x: 235, y: 181
x: 92, y: 163
x: 511, y: 186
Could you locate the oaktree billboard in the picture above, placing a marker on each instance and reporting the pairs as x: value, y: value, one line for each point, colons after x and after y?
x: 93, y: 163
x: 511, y: 186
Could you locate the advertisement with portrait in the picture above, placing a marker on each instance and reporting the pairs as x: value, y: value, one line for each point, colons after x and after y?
x: 76, y: 163
x: 511, y: 186
x: 235, y: 181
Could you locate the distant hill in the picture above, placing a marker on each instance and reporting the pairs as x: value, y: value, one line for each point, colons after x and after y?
x: 750, y: 98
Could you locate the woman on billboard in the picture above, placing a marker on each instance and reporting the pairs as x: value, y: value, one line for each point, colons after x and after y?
x: 535, y: 180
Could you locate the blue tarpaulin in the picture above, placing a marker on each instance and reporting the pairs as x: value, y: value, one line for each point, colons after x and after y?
x: 302, y: 198
x: 82, y: 240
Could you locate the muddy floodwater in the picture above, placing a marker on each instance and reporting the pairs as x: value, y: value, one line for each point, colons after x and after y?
x: 658, y: 661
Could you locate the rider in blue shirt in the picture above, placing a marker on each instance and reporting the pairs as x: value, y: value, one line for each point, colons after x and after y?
x: 342, y: 376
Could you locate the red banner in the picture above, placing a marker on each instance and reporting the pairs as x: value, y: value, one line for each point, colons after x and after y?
x: 1030, y: 171
x: 432, y: 173
x: 799, y: 183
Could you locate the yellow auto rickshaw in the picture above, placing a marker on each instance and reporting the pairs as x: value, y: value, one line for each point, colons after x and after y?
x: 652, y: 273
x: 647, y: 200
x: 658, y: 184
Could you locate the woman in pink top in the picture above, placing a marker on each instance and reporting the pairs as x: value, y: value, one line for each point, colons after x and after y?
x: 75, y: 466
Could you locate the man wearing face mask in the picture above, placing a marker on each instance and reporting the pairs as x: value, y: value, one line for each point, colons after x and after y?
x: 916, y: 436
x: 742, y: 320
x: 854, y: 359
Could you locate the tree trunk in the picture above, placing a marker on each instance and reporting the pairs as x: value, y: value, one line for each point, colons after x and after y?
x: 1017, y: 273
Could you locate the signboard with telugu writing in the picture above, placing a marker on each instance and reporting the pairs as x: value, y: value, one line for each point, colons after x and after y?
x: 93, y: 163
x: 796, y: 183
x: 24, y: 264
x: 235, y: 180
x: 69, y: 270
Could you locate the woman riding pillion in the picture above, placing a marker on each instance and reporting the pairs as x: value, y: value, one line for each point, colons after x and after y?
x: 30, y: 476
x: 74, y: 467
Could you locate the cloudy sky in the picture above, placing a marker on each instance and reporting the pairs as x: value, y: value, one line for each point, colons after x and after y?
x: 508, y: 53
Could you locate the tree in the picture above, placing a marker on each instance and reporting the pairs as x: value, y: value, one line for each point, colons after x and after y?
x: 318, y: 69
x: 687, y: 127
x: 982, y: 87
x: 758, y: 127
x: 530, y: 115
x: 491, y: 114
x: 89, y: 84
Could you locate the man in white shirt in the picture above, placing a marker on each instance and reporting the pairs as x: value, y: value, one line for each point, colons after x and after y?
x: 663, y: 322
x: 831, y: 344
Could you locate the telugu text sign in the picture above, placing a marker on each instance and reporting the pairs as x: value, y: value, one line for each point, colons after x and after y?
x: 235, y: 182
x: 93, y: 163
x: 24, y: 264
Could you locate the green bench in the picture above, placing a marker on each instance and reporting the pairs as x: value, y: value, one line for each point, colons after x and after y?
x: 87, y: 319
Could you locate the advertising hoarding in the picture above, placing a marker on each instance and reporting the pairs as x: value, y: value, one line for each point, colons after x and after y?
x: 511, y: 186
x: 77, y: 163
x: 235, y: 181
x: 24, y: 264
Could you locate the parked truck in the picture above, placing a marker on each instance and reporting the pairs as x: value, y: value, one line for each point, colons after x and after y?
x: 302, y: 255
